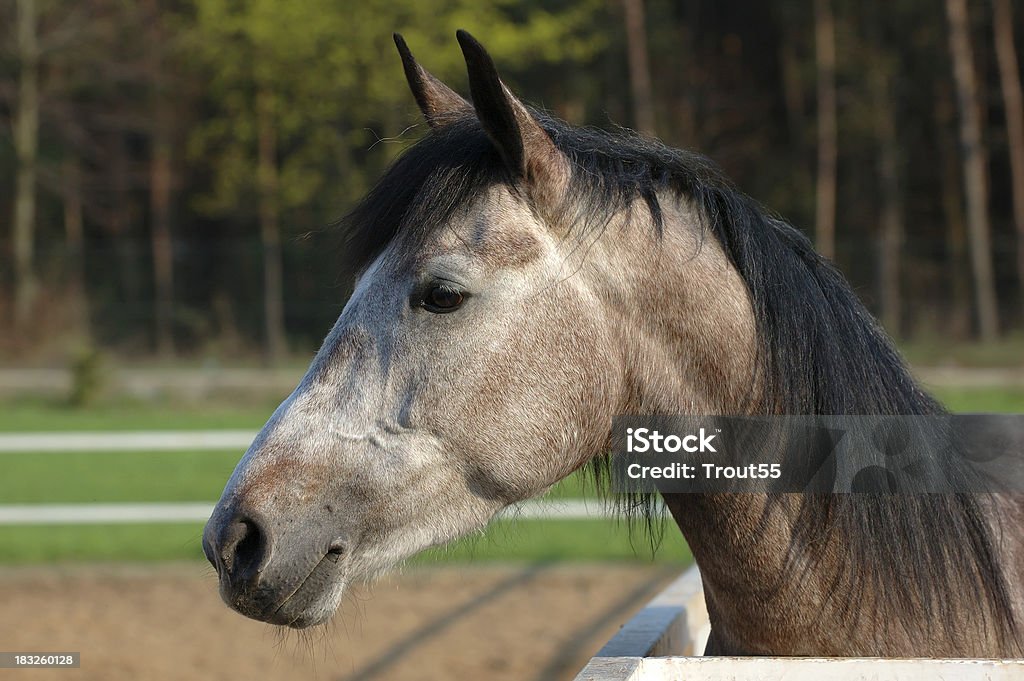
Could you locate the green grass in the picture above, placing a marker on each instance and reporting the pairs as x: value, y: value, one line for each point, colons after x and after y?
x: 938, y: 350
x: 994, y: 400
x: 82, y: 477
x: 42, y: 415
x: 28, y: 544
x: 200, y: 476
x: 53, y: 416
x: 115, y: 476
x: 504, y: 541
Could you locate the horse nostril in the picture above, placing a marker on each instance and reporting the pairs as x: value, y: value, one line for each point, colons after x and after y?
x: 243, y: 548
x: 336, y: 550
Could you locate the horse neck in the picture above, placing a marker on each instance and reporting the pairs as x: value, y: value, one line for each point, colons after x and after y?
x: 687, y: 327
x: 692, y: 348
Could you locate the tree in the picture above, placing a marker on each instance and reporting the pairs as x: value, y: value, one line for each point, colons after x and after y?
x: 1013, y: 108
x: 26, y: 144
x: 275, y: 96
x: 639, y: 68
x: 160, y: 182
x: 889, y: 187
x: 294, y: 87
x: 194, y: 150
x: 74, y: 236
x: 270, y: 222
x: 825, y: 49
x: 71, y: 113
x: 975, y: 175
x: 951, y: 189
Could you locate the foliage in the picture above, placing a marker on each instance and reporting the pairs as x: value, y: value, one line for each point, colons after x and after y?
x: 330, y: 72
x: 734, y: 80
x: 87, y: 377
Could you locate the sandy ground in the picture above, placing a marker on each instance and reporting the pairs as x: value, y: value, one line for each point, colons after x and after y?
x: 471, y: 622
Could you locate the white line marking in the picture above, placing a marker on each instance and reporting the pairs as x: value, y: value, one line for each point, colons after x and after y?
x: 96, y: 514
x: 150, y: 440
x: 183, y: 512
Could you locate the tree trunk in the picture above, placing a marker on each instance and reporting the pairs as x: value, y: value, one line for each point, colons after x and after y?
x: 891, y: 218
x: 801, y: 148
x: 26, y: 146
x: 160, y: 187
x: 74, y: 234
x: 270, y: 232
x: 825, y: 49
x: 792, y: 87
x: 959, y: 319
x: 1013, y: 105
x: 121, y: 218
x: 979, y: 232
x: 163, y: 248
x: 639, y: 67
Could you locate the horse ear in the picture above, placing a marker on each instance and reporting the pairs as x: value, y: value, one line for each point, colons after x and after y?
x: 523, y: 144
x: 438, y: 102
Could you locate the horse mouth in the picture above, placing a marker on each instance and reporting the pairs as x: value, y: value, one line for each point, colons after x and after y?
x: 313, y: 601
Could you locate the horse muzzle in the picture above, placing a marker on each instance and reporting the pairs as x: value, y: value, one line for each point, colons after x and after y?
x: 286, y: 572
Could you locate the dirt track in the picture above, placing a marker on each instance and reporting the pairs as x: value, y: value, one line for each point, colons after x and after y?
x: 166, y: 622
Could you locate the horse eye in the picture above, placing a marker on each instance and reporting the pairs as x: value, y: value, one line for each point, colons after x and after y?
x: 442, y: 299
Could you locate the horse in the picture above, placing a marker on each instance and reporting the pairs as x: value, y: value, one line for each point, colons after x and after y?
x: 520, y: 282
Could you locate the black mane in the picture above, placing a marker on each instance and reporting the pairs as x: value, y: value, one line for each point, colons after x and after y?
x: 821, y: 352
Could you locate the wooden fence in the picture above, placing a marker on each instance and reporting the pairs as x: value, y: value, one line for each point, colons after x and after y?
x: 666, y: 639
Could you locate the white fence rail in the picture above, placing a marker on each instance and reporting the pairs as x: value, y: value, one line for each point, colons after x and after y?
x: 185, y: 512
x: 128, y: 441
x: 801, y: 669
x: 665, y: 641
